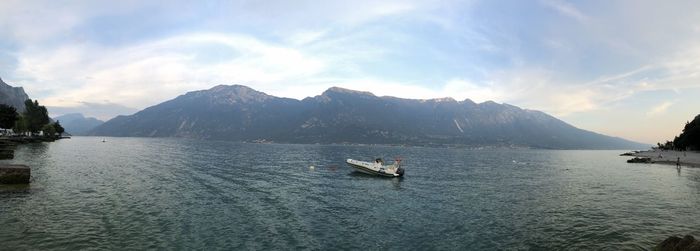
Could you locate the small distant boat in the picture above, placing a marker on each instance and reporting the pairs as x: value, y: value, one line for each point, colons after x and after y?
x: 103, y: 140
x: 377, y: 167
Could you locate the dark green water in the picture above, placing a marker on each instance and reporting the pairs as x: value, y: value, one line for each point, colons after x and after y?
x: 134, y: 193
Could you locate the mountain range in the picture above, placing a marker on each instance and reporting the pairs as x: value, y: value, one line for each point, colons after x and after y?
x: 12, y: 96
x: 340, y: 115
x: 77, y: 124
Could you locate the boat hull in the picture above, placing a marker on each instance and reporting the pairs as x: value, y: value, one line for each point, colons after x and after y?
x: 374, y: 169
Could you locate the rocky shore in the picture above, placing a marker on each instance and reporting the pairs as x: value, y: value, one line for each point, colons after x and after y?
x: 685, y: 158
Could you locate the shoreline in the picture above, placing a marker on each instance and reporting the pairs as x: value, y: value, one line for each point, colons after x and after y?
x: 17, y: 173
x: 670, y: 157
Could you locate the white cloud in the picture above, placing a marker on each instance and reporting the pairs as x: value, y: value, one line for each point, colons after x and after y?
x: 560, y: 94
x: 305, y: 37
x: 659, y: 109
x: 566, y: 10
x: 32, y: 23
x: 149, y: 73
x: 463, y: 89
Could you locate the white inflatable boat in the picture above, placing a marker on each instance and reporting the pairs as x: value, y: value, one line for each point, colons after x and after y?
x: 377, y: 167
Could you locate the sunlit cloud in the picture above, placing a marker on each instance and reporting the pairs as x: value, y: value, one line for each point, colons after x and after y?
x: 659, y: 109
x: 153, y: 72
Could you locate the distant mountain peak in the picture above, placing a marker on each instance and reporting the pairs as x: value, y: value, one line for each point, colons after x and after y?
x: 468, y: 101
x: 73, y: 115
x: 5, y: 85
x: 232, y: 94
x: 219, y: 88
x: 77, y: 123
x: 443, y: 100
x: 336, y: 89
x: 13, y: 96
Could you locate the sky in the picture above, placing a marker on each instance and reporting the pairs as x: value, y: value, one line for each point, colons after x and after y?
x: 623, y: 68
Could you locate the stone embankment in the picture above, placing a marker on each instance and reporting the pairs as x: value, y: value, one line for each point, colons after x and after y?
x: 16, y: 174
x: 675, y: 243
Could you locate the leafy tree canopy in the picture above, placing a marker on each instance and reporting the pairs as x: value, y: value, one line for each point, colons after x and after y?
x: 36, y: 115
x: 48, y: 130
x: 8, y: 116
x: 690, y: 137
x: 58, y: 128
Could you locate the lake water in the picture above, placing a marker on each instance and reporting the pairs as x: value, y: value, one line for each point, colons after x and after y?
x: 140, y: 193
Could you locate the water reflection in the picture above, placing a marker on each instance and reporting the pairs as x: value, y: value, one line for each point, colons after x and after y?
x: 693, y: 176
x: 35, y: 149
x: 395, y: 182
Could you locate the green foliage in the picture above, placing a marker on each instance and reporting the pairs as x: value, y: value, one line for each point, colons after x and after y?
x: 690, y: 137
x: 669, y: 145
x: 48, y: 130
x: 8, y: 116
x: 58, y: 128
x: 21, y: 124
x: 36, y: 115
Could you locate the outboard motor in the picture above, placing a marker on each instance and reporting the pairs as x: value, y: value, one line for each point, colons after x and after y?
x: 399, y: 171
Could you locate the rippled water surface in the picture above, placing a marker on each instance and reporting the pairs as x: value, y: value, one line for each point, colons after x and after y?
x: 137, y: 193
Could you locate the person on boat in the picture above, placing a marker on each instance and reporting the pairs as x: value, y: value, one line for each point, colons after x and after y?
x: 378, y: 162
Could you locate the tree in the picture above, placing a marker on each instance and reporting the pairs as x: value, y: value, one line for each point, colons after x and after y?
x: 21, y: 124
x: 668, y: 145
x: 8, y: 116
x: 48, y: 130
x: 690, y: 136
x: 36, y: 115
x: 58, y: 128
